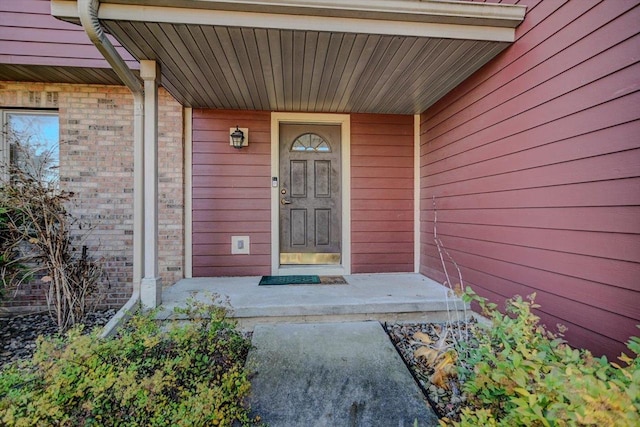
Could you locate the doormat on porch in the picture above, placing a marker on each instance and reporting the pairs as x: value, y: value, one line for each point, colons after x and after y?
x: 333, y: 280
x: 289, y: 280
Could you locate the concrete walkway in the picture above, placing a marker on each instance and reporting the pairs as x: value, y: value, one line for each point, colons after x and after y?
x: 332, y: 374
x: 321, y: 357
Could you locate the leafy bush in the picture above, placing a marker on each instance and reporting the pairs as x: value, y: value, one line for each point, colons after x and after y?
x: 189, y: 374
x: 519, y: 374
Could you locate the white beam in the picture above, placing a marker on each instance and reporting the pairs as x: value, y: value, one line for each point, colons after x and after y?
x: 438, y: 11
x: 457, y: 20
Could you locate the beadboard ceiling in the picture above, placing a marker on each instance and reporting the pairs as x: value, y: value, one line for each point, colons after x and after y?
x: 259, y: 62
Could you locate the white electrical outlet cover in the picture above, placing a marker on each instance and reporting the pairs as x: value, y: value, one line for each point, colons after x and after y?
x: 240, y: 245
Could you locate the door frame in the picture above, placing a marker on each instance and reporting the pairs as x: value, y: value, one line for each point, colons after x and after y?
x: 345, y: 163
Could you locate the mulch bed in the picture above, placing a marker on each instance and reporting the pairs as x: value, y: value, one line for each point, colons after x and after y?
x: 18, y: 334
x: 448, y: 401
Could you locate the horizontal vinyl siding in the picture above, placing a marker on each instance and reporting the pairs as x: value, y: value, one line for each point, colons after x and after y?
x: 231, y: 193
x: 29, y: 35
x: 534, y: 162
x: 381, y: 193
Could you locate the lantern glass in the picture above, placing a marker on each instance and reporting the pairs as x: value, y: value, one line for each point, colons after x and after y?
x: 237, y: 138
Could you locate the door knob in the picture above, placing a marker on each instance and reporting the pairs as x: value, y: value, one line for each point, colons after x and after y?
x: 285, y: 201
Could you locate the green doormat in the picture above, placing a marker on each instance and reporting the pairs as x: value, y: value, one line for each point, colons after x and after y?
x: 289, y: 280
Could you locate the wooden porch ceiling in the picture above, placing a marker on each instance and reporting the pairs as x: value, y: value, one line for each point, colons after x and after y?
x: 337, y: 58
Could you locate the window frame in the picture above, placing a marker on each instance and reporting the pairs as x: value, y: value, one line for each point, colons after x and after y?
x: 5, y: 149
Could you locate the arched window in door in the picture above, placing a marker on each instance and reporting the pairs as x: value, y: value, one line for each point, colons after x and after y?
x: 310, y: 142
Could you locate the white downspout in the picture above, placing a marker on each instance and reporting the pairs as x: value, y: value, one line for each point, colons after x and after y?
x: 88, y: 13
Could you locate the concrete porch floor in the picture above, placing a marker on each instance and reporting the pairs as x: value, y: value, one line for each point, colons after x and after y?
x: 391, y: 297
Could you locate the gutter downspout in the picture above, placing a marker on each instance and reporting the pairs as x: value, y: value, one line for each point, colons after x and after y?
x: 88, y: 13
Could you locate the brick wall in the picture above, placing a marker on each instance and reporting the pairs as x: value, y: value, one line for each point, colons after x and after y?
x: 96, y: 163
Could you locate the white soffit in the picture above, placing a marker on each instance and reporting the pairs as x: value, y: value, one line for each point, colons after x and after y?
x: 377, y: 56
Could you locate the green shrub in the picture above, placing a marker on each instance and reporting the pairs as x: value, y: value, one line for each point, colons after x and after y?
x: 519, y: 374
x: 190, y: 374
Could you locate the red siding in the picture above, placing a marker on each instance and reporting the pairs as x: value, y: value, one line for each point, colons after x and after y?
x: 534, y: 162
x: 231, y: 193
x: 381, y: 193
x: 29, y: 35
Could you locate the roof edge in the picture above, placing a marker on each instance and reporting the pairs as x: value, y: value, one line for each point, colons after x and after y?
x: 445, y: 19
x: 432, y: 11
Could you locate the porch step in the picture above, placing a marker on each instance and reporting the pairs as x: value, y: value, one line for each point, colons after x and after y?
x: 380, y: 297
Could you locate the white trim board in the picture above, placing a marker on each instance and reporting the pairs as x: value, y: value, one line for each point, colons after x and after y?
x: 490, y: 22
x: 344, y: 121
x: 416, y: 193
x: 188, y: 193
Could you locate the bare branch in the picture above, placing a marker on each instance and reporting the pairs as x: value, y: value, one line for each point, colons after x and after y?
x: 442, y: 251
x: 39, y: 238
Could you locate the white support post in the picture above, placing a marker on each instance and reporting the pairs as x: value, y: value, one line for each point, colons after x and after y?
x: 151, y: 286
x: 188, y: 195
x: 416, y: 193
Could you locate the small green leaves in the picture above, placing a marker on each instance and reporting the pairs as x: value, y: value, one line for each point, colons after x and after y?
x: 520, y: 374
x: 149, y: 375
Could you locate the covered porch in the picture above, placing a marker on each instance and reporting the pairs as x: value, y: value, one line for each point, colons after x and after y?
x: 261, y: 62
x: 401, y: 297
